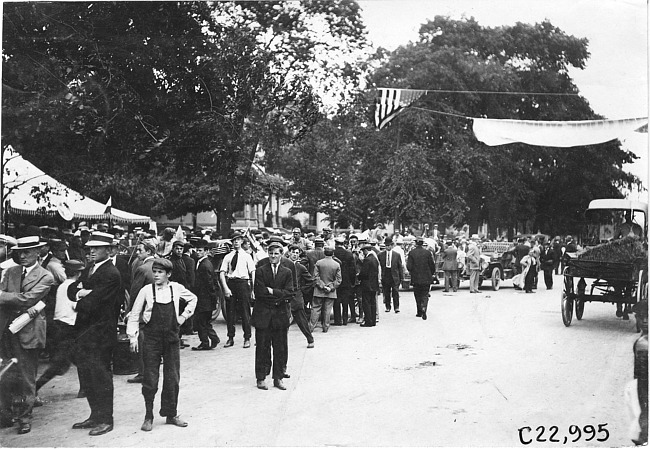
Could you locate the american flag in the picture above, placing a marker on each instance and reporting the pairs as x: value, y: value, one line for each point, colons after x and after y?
x: 391, y: 102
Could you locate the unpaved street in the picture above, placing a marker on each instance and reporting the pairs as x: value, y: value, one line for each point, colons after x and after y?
x: 480, y: 368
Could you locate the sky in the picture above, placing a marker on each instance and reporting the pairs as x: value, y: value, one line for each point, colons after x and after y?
x: 615, y: 80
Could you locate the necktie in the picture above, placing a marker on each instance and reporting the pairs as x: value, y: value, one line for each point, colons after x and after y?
x: 388, y: 259
x: 233, y: 262
x: 275, y: 270
x: 22, y: 279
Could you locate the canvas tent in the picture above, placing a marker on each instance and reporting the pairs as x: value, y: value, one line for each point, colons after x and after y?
x: 29, y: 191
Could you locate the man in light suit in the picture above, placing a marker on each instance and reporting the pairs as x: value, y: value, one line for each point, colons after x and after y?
x: 327, y: 274
x: 273, y: 293
x: 450, y: 266
x: 474, y: 263
x: 97, y: 294
x: 21, y: 289
x: 392, y: 274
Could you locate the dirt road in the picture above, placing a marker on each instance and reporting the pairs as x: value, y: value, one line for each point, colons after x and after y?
x: 478, y: 370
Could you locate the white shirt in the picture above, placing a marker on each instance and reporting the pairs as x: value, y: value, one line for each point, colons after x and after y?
x: 245, y: 265
x: 65, y: 309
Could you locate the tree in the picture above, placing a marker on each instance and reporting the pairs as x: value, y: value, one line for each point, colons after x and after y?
x: 431, y: 157
x: 154, y: 101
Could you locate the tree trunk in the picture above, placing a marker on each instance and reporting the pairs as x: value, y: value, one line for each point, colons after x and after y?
x: 226, y: 192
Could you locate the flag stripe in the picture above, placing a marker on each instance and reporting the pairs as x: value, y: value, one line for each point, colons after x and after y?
x: 390, y: 102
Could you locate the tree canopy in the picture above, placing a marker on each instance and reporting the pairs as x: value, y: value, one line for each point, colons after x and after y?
x: 428, y: 166
x: 165, y: 105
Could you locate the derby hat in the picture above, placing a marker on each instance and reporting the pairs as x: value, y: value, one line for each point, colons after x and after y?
x: 29, y: 242
x: 100, y: 239
x: 388, y: 241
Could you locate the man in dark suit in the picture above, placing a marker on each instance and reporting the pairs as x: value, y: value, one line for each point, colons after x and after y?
x: 271, y: 317
x: 421, y: 265
x: 369, y: 277
x: 97, y: 293
x: 23, y: 290
x: 392, y: 273
x: 547, y: 263
x: 344, y: 293
x: 125, y: 274
x: 206, y: 292
x: 316, y: 254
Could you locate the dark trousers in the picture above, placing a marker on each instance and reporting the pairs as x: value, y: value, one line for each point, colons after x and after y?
x: 421, y: 293
x: 529, y: 281
x: 300, y: 318
x: 240, y: 300
x: 451, y: 280
x: 390, y: 289
x: 204, y: 327
x: 161, y: 344
x: 642, y: 393
x: 63, y: 336
x: 96, y: 379
x: 18, y: 384
x: 344, y: 296
x: 548, y: 277
x: 369, y: 300
x: 264, y: 340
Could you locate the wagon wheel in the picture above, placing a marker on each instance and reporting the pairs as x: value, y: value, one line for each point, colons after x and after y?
x: 567, y: 301
x: 496, y: 278
x: 580, y: 308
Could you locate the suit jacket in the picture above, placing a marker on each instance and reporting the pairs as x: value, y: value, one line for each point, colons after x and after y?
x: 547, y: 258
x: 297, y: 271
x: 369, y: 274
x: 143, y: 275
x: 473, y: 257
x: 327, y: 274
x: 421, y: 265
x: 396, y: 270
x: 204, y: 287
x: 96, y: 318
x: 13, y: 303
x: 348, y: 267
x: 450, y: 259
x: 272, y: 310
x: 313, y: 256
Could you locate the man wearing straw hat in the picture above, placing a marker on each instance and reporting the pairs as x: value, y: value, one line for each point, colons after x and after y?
x: 97, y: 294
x: 21, y: 289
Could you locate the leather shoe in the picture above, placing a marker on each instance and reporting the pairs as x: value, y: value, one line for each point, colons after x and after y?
x: 247, y: 343
x: 101, y: 429
x: 396, y: 310
x: 419, y: 314
x: 135, y: 380
x: 310, y: 345
x: 229, y: 343
x: 177, y: 421
x: 147, y: 425
x: 214, y: 342
x: 262, y: 385
x: 424, y: 315
x: 287, y: 376
x: 201, y: 347
x: 87, y: 424
x: 24, y: 428
x: 277, y: 383
x: 366, y: 325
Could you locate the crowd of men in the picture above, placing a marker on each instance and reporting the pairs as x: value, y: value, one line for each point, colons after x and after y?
x: 70, y: 292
